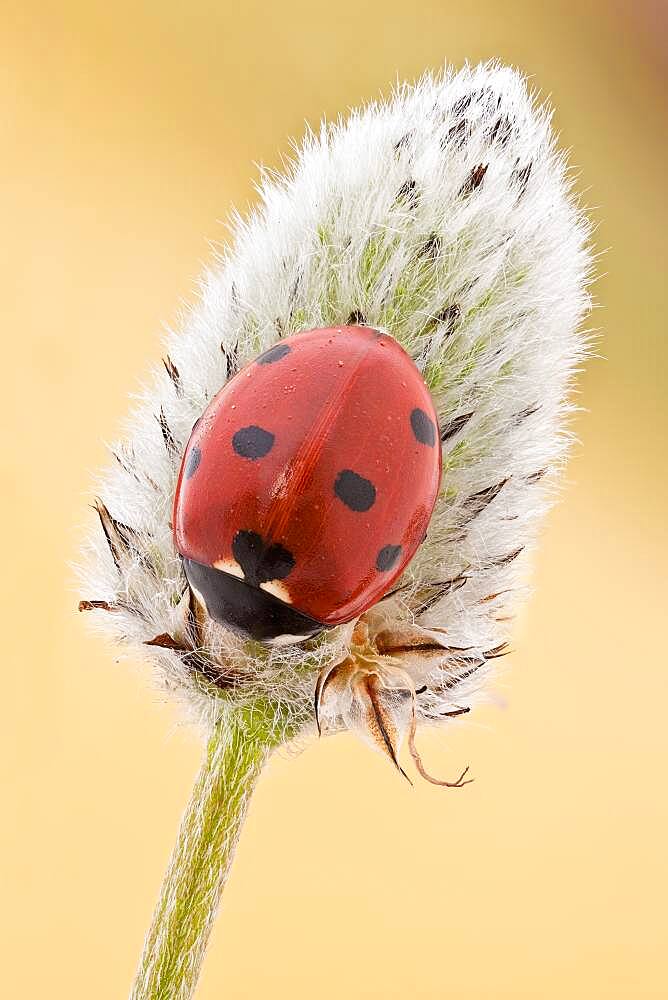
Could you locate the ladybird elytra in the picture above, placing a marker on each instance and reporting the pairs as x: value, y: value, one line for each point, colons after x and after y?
x: 308, y: 484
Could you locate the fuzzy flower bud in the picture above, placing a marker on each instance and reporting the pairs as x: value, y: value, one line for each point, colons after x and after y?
x: 445, y: 219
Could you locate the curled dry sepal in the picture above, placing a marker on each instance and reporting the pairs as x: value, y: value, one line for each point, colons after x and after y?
x: 445, y: 217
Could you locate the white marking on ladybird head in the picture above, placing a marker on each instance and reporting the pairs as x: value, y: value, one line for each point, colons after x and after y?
x: 199, y: 597
x: 286, y: 640
x: 278, y: 590
x: 229, y: 566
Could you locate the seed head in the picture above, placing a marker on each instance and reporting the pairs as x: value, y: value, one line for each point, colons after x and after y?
x: 443, y: 216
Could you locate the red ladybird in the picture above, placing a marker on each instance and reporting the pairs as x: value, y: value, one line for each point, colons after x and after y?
x: 308, y: 484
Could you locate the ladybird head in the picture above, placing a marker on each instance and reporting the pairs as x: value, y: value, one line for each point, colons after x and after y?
x: 246, y: 607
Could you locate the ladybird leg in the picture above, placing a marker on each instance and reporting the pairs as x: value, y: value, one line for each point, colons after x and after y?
x: 459, y: 783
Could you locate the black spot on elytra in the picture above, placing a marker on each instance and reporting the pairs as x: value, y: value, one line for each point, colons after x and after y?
x: 253, y: 442
x: 261, y: 562
x: 387, y: 557
x: 423, y: 427
x: 192, y: 462
x: 273, y: 354
x: 356, y: 492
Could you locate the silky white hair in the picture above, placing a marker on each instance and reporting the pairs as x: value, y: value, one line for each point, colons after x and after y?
x: 444, y: 216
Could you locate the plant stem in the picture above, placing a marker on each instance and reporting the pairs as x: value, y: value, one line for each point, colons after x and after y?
x: 176, y: 942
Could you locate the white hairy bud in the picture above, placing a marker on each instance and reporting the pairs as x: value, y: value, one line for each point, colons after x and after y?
x: 444, y: 217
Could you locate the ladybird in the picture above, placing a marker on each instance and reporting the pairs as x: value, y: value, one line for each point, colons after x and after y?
x: 308, y: 484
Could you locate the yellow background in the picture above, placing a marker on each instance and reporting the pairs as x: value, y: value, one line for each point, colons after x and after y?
x: 127, y: 130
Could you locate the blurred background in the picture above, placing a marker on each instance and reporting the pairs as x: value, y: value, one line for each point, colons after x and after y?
x: 129, y: 130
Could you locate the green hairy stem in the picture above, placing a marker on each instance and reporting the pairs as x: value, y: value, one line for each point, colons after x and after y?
x: 176, y: 942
